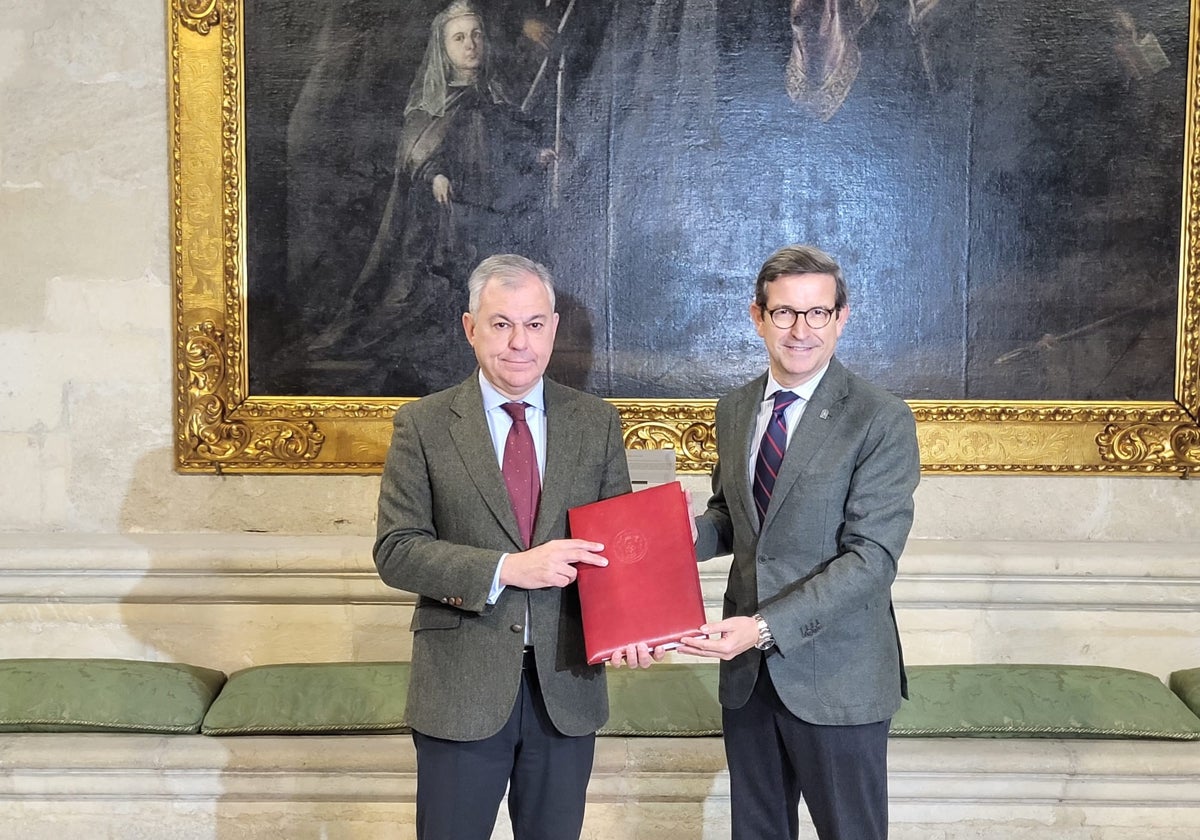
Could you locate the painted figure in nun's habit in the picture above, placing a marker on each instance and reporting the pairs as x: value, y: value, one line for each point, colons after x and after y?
x: 469, y: 181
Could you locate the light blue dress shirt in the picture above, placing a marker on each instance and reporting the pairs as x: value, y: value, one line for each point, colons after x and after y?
x: 499, y: 423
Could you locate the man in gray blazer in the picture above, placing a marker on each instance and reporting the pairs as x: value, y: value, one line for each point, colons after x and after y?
x: 813, y: 494
x: 501, y: 694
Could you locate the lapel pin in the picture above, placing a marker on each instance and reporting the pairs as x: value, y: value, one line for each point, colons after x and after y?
x: 825, y: 414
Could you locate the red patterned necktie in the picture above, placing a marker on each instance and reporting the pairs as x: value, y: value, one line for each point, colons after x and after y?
x: 770, y: 453
x: 520, y: 470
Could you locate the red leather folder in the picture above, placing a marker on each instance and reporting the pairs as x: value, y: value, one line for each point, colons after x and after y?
x: 650, y: 590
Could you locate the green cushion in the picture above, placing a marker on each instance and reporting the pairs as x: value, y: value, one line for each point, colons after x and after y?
x: 312, y: 698
x: 1047, y: 701
x: 667, y: 700
x: 104, y: 695
x: 1186, y: 684
x: 990, y: 701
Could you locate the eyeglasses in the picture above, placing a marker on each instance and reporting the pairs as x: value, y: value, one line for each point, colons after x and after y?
x: 785, y: 317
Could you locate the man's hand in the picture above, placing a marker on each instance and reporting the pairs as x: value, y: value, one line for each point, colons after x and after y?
x: 734, y: 636
x: 637, y: 656
x: 549, y: 564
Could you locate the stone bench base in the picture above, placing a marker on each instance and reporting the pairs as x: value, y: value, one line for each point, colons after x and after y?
x: 62, y: 786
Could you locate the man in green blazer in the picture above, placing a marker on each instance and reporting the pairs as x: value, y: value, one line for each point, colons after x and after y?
x: 813, y: 495
x: 501, y: 695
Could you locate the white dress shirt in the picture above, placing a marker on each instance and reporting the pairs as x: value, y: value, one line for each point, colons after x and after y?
x: 791, y: 414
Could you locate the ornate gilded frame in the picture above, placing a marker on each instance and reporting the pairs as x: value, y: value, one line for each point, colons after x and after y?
x: 220, y: 427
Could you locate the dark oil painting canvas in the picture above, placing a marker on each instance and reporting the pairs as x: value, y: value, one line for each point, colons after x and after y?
x: 1001, y: 182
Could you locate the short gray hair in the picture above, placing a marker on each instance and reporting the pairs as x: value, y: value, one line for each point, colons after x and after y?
x: 507, y: 270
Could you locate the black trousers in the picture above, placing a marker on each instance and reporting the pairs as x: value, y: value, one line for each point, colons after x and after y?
x: 775, y: 758
x: 460, y: 783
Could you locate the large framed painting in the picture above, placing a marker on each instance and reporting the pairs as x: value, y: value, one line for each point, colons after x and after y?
x: 1010, y: 187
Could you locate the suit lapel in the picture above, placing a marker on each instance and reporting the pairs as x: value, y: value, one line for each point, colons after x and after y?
x: 469, y: 430
x: 745, y: 409
x: 563, y: 442
x: 815, y: 426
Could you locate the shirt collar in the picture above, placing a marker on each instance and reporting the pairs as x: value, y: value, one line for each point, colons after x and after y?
x: 494, y: 399
x: 803, y: 391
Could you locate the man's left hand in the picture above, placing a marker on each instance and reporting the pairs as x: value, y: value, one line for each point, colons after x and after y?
x: 637, y: 656
x: 722, y: 639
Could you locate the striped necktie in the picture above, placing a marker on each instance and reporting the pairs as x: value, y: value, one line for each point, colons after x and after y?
x: 770, y: 453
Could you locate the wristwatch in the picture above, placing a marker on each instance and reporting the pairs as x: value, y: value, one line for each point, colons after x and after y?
x: 766, y: 641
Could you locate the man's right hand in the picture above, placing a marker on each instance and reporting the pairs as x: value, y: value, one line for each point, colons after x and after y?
x: 549, y: 564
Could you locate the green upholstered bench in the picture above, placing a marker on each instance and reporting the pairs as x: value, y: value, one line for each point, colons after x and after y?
x: 105, y: 695
x: 333, y: 698
x: 1186, y: 684
x: 1041, y: 701
x: 669, y: 700
x: 1047, y: 701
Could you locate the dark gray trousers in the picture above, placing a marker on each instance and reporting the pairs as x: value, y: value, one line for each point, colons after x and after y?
x: 460, y: 784
x: 775, y: 758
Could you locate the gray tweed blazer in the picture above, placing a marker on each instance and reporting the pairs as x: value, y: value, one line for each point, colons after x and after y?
x: 445, y: 520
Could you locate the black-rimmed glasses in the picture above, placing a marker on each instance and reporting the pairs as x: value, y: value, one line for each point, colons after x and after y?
x: 785, y: 317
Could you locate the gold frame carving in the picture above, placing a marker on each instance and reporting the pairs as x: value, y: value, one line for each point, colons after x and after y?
x: 219, y: 427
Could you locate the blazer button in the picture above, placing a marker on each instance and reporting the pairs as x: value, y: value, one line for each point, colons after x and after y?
x: 445, y: 600
x: 517, y: 628
x: 458, y: 602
